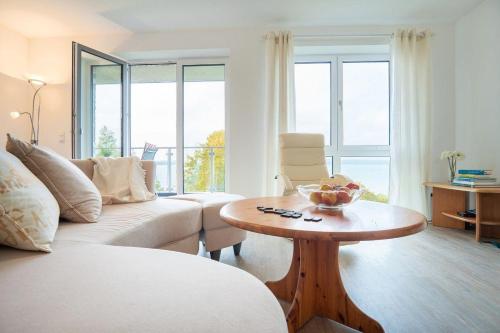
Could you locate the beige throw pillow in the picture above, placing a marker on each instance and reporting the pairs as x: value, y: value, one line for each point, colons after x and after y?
x: 79, y: 200
x: 29, y: 214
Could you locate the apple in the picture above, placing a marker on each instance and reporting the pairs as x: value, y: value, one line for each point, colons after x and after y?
x: 339, y: 179
x: 329, y: 198
x: 345, y: 189
x: 315, y: 197
x: 343, y: 197
x: 352, y: 186
x: 325, y: 187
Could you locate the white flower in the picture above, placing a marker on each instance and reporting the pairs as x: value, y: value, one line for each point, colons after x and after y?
x: 445, y: 154
x: 457, y: 155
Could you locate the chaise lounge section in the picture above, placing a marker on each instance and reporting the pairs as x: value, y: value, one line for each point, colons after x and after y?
x: 105, y: 276
x: 216, y: 234
x: 103, y: 288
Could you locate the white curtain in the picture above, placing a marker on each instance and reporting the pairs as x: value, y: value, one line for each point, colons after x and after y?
x: 279, y: 101
x: 411, y: 106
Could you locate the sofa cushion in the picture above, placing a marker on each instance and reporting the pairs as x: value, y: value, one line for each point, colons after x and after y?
x: 146, y: 224
x: 212, y: 204
x: 79, y: 200
x: 99, y: 288
x: 29, y: 214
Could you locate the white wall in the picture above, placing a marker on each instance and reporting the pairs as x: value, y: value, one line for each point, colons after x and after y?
x: 14, y: 89
x: 478, y: 86
x: 51, y: 59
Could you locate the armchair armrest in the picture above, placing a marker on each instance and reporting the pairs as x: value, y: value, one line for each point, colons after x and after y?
x: 285, y: 184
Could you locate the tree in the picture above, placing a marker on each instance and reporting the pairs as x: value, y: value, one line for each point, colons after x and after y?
x: 378, y: 197
x: 106, y: 143
x: 198, y: 165
x: 158, y: 186
x: 372, y: 196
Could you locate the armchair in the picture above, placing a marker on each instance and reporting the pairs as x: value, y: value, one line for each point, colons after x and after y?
x: 302, y: 160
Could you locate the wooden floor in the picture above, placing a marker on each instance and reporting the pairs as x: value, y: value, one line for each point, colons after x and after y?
x: 439, y: 280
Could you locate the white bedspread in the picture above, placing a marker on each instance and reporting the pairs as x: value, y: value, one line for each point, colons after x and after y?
x: 120, y: 180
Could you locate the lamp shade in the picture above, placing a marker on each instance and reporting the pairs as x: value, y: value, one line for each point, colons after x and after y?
x: 15, y: 114
x: 36, y: 82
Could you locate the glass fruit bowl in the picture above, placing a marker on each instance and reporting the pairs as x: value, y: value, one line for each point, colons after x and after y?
x: 331, y: 197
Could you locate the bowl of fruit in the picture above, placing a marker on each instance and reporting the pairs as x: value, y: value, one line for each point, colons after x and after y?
x: 332, y: 193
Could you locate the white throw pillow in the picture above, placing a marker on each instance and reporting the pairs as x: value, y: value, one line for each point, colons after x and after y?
x: 120, y: 180
x: 29, y: 213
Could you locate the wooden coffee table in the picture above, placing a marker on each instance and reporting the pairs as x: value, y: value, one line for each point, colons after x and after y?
x: 313, y: 283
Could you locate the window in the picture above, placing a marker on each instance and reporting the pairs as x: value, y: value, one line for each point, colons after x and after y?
x: 153, y: 119
x: 107, y: 123
x: 373, y: 172
x: 98, y: 103
x: 365, y: 103
x: 312, y: 98
x: 347, y: 99
x: 178, y: 107
x: 204, y: 114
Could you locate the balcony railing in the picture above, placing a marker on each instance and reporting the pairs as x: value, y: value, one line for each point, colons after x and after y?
x: 203, y: 169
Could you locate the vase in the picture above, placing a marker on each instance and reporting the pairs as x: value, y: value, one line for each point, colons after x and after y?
x: 452, y: 175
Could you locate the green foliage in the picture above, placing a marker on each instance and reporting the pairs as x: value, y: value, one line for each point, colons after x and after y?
x: 106, y: 143
x: 198, y: 165
x: 158, y: 187
x: 378, y: 197
x: 372, y: 196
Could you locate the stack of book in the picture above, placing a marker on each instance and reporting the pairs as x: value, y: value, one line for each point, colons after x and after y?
x: 475, y: 178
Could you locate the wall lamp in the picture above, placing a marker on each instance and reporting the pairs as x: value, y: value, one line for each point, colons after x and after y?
x: 36, y: 84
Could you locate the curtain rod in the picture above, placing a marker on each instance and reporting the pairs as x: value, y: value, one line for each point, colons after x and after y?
x: 326, y: 36
x: 299, y: 36
x: 342, y: 35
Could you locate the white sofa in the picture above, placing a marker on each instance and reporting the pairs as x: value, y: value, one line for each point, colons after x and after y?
x: 164, y: 223
x: 101, y: 277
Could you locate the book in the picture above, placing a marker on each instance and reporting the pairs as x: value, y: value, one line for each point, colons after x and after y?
x: 475, y: 183
x: 475, y: 172
x: 469, y: 176
x: 483, y: 179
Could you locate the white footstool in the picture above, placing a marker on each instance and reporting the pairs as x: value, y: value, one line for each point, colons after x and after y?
x: 216, y: 234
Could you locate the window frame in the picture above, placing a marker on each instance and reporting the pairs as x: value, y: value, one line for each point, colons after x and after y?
x: 366, y: 58
x: 76, y: 112
x: 180, y: 115
x: 179, y: 146
x: 126, y: 148
x: 337, y: 149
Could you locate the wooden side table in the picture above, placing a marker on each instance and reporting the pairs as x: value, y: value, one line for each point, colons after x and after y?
x: 448, y: 200
x: 313, y: 283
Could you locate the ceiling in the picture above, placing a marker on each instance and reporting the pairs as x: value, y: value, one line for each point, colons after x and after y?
x: 48, y: 18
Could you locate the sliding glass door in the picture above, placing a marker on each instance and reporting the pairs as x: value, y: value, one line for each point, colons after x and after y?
x: 153, y: 110
x: 100, y: 99
x: 179, y: 108
x: 204, y: 123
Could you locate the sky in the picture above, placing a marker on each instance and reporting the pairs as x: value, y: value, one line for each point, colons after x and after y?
x: 365, y: 101
x: 153, y: 111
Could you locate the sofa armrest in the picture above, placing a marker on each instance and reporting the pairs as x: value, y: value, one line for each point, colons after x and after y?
x: 150, y: 174
x: 86, y: 165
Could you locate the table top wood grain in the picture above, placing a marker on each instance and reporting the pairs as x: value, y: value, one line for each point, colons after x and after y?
x: 361, y: 221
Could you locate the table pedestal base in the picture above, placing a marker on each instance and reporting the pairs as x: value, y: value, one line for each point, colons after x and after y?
x: 314, y: 287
